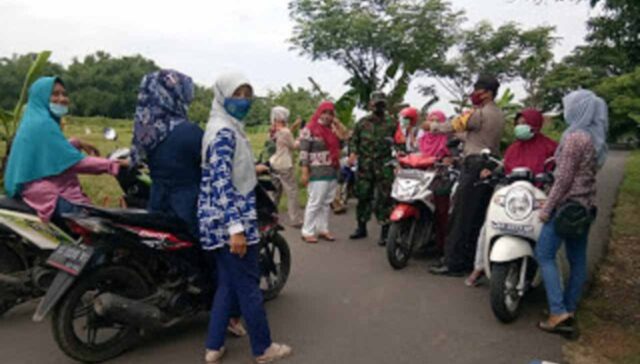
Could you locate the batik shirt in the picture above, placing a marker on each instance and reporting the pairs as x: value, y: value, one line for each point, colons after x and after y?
x: 222, y: 210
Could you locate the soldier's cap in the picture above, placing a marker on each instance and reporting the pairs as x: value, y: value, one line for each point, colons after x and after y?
x: 487, y: 82
x: 377, y: 97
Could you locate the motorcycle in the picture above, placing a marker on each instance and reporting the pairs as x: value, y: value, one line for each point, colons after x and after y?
x: 412, y: 219
x: 142, y: 271
x: 510, y: 233
x: 26, y: 242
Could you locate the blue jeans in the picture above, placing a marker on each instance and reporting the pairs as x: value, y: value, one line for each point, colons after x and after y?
x: 546, y: 250
x: 239, y: 284
x: 63, y: 206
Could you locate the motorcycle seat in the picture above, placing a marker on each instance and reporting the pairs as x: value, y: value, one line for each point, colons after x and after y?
x: 16, y: 205
x: 143, y: 219
x: 417, y: 161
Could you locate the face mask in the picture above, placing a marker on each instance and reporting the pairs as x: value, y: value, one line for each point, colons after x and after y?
x: 476, y: 98
x: 58, y: 110
x: 238, y: 108
x: 523, y: 132
x: 404, y: 122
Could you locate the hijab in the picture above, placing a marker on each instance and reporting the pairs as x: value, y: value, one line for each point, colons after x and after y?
x: 39, y: 149
x: 243, y: 174
x: 432, y: 144
x: 163, y: 102
x: 279, y: 113
x: 530, y: 153
x: 325, y: 132
x: 585, y: 111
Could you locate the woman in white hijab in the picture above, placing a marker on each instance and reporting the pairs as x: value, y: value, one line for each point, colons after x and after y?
x: 282, y: 164
x: 228, y: 221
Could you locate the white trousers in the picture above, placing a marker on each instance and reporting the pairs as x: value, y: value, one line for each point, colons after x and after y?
x: 316, y: 215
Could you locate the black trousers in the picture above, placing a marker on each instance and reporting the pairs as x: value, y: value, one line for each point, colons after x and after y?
x: 469, y: 212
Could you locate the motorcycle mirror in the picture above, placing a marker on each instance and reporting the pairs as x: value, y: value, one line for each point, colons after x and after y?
x: 110, y: 134
x: 486, y: 152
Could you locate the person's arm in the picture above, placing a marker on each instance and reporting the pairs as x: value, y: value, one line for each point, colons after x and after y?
x: 96, y: 165
x: 567, y: 167
x: 84, y: 146
x: 305, y: 161
x: 475, y: 121
x: 286, y: 140
x: 220, y: 157
x: 354, y: 143
x: 439, y: 128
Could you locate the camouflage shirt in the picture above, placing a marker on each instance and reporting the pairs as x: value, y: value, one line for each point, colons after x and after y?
x: 373, y: 140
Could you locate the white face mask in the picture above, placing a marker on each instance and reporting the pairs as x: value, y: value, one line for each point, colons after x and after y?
x: 404, y: 122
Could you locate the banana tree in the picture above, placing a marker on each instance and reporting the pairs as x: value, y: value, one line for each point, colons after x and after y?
x: 11, y: 119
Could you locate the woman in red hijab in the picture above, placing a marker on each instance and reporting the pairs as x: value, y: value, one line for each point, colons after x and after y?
x: 531, y: 149
x: 320, y: 161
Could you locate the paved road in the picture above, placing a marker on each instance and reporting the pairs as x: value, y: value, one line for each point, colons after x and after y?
x: 344, y: 304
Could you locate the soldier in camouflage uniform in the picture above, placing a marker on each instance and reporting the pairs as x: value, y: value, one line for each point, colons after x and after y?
x: 372, y: 145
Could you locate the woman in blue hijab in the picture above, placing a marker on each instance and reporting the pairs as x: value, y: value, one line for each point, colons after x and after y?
x: 43, y: 165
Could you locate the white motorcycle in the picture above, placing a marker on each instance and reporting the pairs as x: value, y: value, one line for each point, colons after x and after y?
x: 511, y: 230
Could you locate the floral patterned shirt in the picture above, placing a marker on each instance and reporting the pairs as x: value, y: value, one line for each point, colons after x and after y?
x: 575, y: 175
x: 222, y: 210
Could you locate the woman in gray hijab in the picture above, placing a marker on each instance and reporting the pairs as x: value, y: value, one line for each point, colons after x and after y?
x: 582, y: 151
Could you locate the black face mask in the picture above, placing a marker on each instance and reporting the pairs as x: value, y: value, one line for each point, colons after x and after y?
x: 379, y: 109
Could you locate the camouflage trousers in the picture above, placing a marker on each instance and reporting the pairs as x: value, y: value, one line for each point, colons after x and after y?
x: 373, y: 191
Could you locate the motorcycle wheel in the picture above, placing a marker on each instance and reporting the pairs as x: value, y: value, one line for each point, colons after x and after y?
x: 505, y: 300
x: 399, y: 244
x: 9, y: 263
x: 77, y: 328
x: 275, y: 265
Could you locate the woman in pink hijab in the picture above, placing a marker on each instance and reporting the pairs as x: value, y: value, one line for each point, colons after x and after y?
x: 435, y: 145
x: 431, y: 144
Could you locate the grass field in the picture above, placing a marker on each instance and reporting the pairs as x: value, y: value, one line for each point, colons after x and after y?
x: 104, y: 190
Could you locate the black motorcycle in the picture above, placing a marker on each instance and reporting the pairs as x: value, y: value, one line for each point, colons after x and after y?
x: 141, y: 271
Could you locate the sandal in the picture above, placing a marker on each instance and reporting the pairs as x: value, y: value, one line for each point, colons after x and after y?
x: 237, y: 329
x: 474, y: 279
x: 214, y: 356
x: 327, y: 237
x: 566, y: 328
x: 273, y: 353
x: 310, y: 239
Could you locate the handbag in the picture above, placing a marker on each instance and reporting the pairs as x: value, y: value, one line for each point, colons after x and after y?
x: 573, y: 220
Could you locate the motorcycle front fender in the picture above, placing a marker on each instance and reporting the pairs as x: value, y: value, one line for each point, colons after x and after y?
x: 403, y: 211
x: 508, y: 248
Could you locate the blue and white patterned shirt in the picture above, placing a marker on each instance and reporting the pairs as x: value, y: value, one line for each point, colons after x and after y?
x: 222, y: 210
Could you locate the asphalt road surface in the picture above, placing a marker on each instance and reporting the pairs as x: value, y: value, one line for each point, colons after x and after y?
x: 344, y: 304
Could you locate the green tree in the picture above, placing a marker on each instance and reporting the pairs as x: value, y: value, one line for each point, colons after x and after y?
x: 102, y: 85
x: 623, y: 97
x: 507, y: 52
x: 201, y: 105
x: 12, y: 72
x: 382, y: 44
x: 11, y: 119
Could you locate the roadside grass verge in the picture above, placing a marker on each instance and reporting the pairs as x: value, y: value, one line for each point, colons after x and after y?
x: 610, y: 314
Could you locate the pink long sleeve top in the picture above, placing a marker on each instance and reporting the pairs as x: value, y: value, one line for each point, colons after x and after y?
x: 42, y: 195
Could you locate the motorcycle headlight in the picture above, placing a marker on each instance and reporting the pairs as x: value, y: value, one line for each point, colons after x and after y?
x: 519, y: 203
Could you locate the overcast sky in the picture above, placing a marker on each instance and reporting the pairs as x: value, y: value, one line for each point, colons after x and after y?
x: 205, y: 38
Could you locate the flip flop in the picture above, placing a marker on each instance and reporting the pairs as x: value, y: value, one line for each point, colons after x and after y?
x: 309, y: 239
x: 566, y: 328
x: 327, y: 237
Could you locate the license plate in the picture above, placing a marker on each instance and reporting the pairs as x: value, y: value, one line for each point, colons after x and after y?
x: 71, y: 258
x: 512, y: 228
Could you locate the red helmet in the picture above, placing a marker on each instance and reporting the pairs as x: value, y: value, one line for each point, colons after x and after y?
x: 410, y: 113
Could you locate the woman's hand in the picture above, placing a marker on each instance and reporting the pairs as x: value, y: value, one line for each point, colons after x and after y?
x: 262, y: 169
x: 88, y: 148
x: 124, y: 163
x: 485, y: 173
x: 304, y: 177
x: 543, y: 216
x: 353, y: 159
x: 238, y: 244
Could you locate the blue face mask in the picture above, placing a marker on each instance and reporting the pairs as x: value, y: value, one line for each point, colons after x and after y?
x: 58, y: 110
x: 238, y: 108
